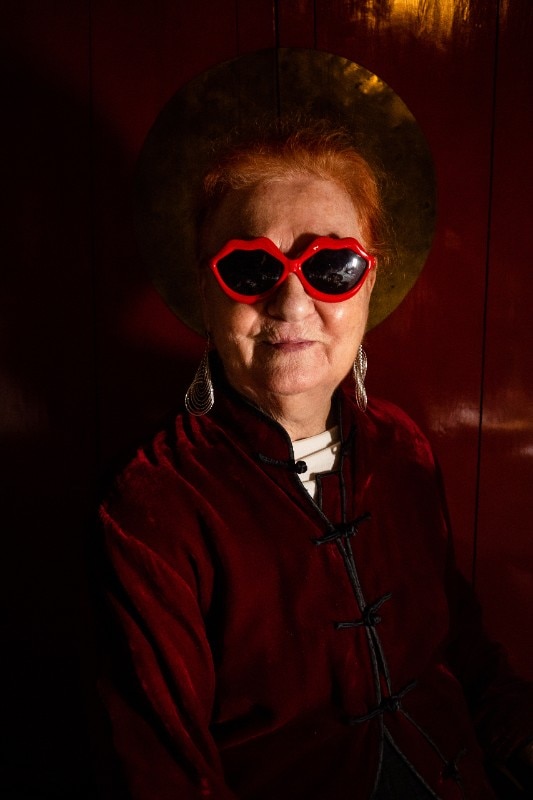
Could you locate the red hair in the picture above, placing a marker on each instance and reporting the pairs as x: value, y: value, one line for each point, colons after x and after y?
x: 314, y: 149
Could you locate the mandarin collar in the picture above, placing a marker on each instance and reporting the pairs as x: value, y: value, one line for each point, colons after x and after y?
x: 246, y: 422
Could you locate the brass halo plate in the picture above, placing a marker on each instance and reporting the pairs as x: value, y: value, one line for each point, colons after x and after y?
x: 263, y: 85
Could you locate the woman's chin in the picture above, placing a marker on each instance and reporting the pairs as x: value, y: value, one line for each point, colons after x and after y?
x: 286, y: 373
x: 287, y: 383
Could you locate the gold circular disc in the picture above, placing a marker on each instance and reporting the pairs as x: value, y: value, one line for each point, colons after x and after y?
x: 265, y: 85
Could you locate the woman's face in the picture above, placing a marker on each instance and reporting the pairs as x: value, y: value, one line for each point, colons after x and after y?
x: 288, y: 344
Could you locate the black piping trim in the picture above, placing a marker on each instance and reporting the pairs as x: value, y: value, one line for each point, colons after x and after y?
x: 346, y: 444
x: 377, y: 641
x: 411, y: 766
x: 369, y: 618
x: 293, y: 466
x: 390, y: 703
x: 349, y: 563
x: 341, y: 531
x: 380, y: 757
x: 450, y: 770
x: 345, y: 548
x: 374, y: 642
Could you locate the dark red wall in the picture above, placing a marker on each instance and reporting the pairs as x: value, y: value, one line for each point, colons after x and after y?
x: 92, y: 359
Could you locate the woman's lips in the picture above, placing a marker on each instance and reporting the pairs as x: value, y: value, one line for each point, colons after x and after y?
x: 291, y: 345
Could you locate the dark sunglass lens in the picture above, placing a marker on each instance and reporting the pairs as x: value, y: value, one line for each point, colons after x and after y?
x: 335, y: 271
x: 250, y: 272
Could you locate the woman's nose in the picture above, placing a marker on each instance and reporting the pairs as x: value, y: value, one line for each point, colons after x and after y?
x: 290, y: 301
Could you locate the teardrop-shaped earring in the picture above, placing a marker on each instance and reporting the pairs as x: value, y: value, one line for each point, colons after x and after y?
x: 359, y: 373
x: 200, y: 397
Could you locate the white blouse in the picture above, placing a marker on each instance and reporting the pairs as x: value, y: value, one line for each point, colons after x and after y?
x: 320, y: 453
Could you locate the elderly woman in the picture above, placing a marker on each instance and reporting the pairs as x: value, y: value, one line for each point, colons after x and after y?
x: 287, y: 619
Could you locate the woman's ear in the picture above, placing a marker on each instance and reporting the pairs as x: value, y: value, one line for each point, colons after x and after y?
x: 370, y: 281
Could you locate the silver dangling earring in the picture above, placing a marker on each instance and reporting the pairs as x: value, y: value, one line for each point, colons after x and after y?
x: 199, y: 397
x: 359, y: 373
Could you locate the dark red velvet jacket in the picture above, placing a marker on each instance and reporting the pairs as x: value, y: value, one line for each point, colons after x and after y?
x: 264, y: 645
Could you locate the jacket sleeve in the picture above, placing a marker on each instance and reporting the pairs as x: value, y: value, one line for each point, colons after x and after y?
x: 158, y: 683
x: 501, y: 702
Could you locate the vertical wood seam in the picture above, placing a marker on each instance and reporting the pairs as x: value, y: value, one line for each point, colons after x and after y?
x: 486, y: 290
x: 97, y: 427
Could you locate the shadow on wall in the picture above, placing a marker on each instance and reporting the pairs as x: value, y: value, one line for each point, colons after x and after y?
x: 79, y: 388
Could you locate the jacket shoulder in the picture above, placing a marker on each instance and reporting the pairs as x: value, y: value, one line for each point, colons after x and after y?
x: 393, y: 428
x: 152, y: 476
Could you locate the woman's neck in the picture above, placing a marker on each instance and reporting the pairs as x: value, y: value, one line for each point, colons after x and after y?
x: 301, y: 415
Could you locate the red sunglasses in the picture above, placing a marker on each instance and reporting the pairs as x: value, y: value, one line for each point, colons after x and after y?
x: 329, y: 269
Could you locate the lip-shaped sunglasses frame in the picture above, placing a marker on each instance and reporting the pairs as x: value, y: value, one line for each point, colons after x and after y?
x: 292, y: 265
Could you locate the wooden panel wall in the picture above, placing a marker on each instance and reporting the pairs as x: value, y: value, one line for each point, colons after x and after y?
x: 504, y: 563
x: 93, y: 360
